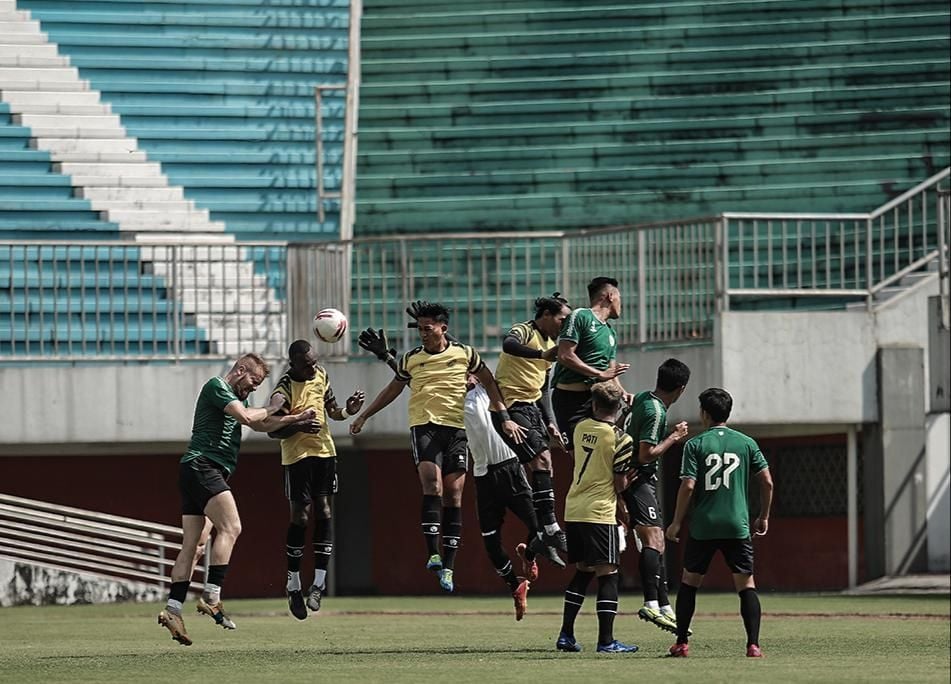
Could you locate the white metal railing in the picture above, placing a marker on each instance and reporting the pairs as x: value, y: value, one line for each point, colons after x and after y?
x: 838, y: 256
x: 77, y: 540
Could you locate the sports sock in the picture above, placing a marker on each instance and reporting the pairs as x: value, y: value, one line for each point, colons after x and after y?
x: 607, y: 607
x: 452, y: 535
x: 751, y: 612
x: 686, y: 604
x: 543, y: 499
x: 574, y: 599
x: 649, y: 565
x: 323, y: 549
x: 500, y: 560
x: 176, y: 597
x: 432, y: 506
x: 294, y: 550
x: 662, y: 594
x: 216, y: 578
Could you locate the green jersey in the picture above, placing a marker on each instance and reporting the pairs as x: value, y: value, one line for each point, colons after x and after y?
x: 648, y: 425
x: 596, y: 345
x: 721, y: 460
x: 215, y: 434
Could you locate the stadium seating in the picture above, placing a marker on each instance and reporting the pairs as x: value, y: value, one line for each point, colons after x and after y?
x: 36, y: 200
x: 537, y: 115
x: 221, y: 94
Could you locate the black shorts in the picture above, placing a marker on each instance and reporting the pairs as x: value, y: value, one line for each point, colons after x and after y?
x: 198, y: 481
x: 529, y: 416
x: 570, y: 409
x: 309, y: 477
x: 440, y: 444
x: 642, y: 507
x: 738, y: 554
x: 593, y: 543
x: 504, y: 487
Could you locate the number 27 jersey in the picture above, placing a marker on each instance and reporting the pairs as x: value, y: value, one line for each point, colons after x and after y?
x: 721, y: 461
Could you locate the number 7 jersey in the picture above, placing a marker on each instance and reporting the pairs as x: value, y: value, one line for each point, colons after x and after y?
x: 600, y: 449
x: 721, y: 460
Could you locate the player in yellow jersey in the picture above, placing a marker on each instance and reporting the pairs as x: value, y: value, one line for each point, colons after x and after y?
x: 528, y: 351
x: 436, y: 373
x: 593, y: 538
x: 309, y: 458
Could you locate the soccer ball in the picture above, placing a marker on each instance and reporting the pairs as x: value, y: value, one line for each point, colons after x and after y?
x: 330, y: 325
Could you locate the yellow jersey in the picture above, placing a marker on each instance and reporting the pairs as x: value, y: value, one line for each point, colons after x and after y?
x: 599, y: 445
x: 519, y: 378
x: 300, y: 396
x: 438, y: 383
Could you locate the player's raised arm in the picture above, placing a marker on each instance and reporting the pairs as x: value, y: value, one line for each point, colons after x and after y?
x: 386, y: 397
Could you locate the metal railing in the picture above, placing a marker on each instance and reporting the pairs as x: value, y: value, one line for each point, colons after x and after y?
x: 831, y: 256
x: 153, y: 300
x: 88, y: 542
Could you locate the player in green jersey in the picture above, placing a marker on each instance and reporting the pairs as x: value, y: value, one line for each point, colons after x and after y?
x: 211, y: 458
x: 721, y: 460
x: 587, y: 350
x: 648, y: 427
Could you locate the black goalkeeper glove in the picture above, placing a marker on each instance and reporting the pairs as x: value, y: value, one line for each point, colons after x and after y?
x: 375, y: 342
x: 413, y: 312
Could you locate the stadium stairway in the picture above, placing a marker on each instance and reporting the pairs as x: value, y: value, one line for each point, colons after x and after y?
x: 523, y: 114
x: 221, y: 94
x: 85, y: 140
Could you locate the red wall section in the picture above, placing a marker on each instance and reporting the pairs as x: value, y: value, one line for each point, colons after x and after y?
x: 798, y: 553
x: 146, y: 487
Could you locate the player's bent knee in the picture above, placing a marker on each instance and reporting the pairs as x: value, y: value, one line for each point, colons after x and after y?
x: 743, y: 582
x: 692, y: 579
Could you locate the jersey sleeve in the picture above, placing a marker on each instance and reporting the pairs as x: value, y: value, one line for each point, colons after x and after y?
x: 521, y: 332
x: 757, y: 460
x: 219, y: 393
x: 475, y: 361
x: 283, y: 389
x: 688, y: 464
x: 651, y: 425
x: 401, y: 373
x: 573, y: 326
x: 623, y: 453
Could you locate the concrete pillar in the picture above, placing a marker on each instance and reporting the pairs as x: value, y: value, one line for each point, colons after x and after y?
x: 895, y: 491
x: 938, y: 440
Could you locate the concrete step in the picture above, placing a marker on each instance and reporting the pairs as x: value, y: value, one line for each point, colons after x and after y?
x: 16, y: 25
x: 61, y: 108
x: 14, y: 74
x: 121, y: 194
x: 21, y: 37
x: 226, y: 326
x: 129, y: 181
x: 144, y: 220
x: 86, y: 145
x: 43, y: 84
x: 67, y: 121
x: 83, y: 157
x: 14, y: 50
x: 29, y: 62
x: 156, y: 244
x: 171, y: 206
x: 116, y: 169
x: 227, y: 299
x: 81, y: 97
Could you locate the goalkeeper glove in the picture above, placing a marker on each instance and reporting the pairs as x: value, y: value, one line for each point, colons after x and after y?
x: 375, y: 342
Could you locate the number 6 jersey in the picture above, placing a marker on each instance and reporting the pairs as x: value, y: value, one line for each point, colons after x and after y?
x: 721, y: 460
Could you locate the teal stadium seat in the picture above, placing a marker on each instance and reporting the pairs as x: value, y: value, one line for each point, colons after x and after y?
x: 535, y: 115
x: 221, y: 93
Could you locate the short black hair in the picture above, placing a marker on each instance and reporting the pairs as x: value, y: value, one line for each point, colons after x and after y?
x: 437, y: 312
x: 598, y: 284
x: 298, y: 348
x: 672, y: 375
x: 553, y: 305
x: 717, y: 403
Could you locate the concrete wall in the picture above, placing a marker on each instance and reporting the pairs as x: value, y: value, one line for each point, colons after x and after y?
x: 938, y: 487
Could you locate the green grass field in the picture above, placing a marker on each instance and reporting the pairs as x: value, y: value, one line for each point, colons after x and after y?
x: 806, y: 638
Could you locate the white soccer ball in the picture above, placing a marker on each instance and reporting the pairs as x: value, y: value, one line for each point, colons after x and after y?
x: 330, y: 325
